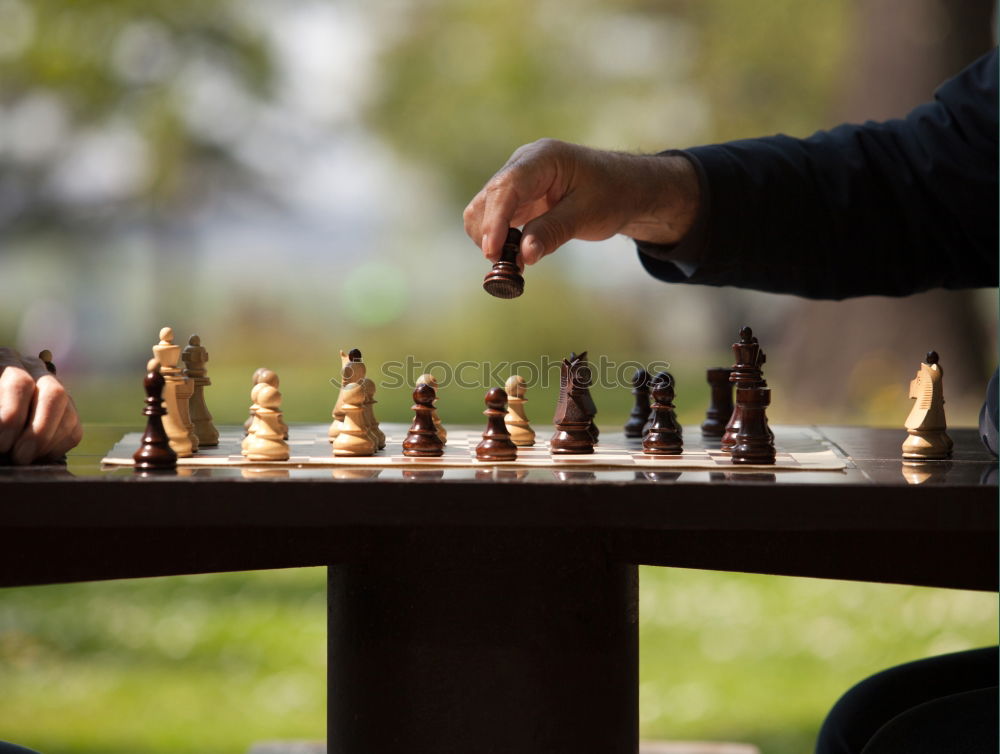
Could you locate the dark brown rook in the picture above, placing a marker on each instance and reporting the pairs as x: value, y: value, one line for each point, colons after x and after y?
x: 504, y: 280
x: 640, y: 411
x: 746, y: 372
x: 664, y: 436
x: 496, y: 444
x: 155, y: 453
x: 720, y: 407
x: 754, y: 441
x: 422, y: 440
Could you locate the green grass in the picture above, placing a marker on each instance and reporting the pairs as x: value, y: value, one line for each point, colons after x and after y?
x: 212, y: 663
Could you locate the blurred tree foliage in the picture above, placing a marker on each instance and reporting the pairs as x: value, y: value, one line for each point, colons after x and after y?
x: 469, y: 82
x: 72, y: 72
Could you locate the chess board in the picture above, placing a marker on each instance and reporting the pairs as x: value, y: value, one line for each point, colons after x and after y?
x: 798, y: 449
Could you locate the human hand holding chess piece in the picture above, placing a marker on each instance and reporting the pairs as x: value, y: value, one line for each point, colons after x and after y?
x: 38, y: 419
x: 559, y: 191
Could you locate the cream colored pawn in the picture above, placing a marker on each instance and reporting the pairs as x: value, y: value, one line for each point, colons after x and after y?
x: 516, y: 419
x: 266, y: 441
x: 177, y: 391
x: 252, y: 426
x: 927, y: 439
x: 371, y: 423
x: 430, y: 379
x: 353, y: 439
x: 350, y: 371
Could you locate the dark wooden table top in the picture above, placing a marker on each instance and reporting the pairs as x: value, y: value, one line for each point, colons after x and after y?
x: 878, y: 520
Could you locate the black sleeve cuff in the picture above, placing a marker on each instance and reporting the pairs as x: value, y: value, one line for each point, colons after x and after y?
x: 676, y: 263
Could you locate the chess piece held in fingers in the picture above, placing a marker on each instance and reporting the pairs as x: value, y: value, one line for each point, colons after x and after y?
x: 504, y: 280
x: 926, y: 425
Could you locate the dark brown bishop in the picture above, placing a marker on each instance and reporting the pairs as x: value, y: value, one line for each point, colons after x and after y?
x: 663, y: 377
x: 154, y: 453
x: 496, y: 444
x: 422, y: 441
x: 504, y: 280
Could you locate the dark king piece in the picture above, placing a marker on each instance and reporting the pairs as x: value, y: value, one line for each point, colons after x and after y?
x: 155, y: 453
x: 746, y: 372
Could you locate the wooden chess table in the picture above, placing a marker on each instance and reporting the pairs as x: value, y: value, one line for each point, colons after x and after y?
x: 491, y: 609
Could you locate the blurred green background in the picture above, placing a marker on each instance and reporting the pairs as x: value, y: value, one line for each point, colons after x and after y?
x: 287, y: 179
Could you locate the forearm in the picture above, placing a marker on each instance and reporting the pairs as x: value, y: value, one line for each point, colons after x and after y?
x: 888, y: 208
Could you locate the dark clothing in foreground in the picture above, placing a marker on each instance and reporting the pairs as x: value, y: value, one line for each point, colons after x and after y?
x: 942, y: 704
x: 876, y: 209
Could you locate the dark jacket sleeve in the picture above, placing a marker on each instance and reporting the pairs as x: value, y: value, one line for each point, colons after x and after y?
x: 881, y: 208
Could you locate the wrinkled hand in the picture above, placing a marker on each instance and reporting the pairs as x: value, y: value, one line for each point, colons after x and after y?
x: 559, y: 191
x: 38, y: 420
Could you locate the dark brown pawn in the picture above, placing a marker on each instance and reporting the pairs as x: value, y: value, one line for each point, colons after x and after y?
x: 496, y: 444
x: 504, y: 280
x: 46, y: 357
x: 720, y: 407
x: 746, y: 372
x: 640, y: 411
x: 754, y: 441
x: 664, y: 436
x: 422, y: 440
x: 155, y: 453
x: 661, y: 377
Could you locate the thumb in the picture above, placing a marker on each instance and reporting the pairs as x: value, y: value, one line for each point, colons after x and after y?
x: 548, y: 232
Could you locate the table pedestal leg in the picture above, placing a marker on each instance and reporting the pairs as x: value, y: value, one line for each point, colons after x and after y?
x: 485, y: 646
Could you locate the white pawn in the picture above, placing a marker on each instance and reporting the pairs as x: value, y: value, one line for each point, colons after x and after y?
x: 353, y: 439
x: 266, y: 440
x: 521, y: 433
x: 430, y: 379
